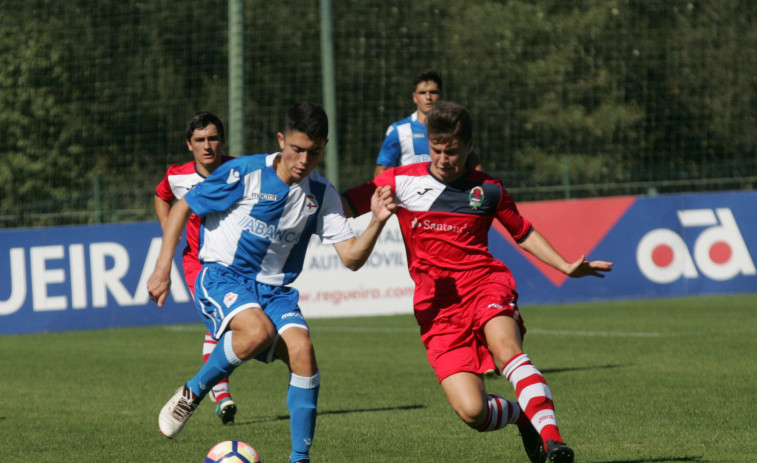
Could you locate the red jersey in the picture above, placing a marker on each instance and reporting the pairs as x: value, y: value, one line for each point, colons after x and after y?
x: 445, y: 226
x: 459, y: 285
x: 178, y: 180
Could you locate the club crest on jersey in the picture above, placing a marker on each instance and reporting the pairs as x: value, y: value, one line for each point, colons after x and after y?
x: 311, y: 205
x: 230, y: 298
x: 476, y: 197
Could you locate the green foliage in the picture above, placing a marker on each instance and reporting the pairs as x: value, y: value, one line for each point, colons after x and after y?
x: 579, y: 97
x: 633, y: 381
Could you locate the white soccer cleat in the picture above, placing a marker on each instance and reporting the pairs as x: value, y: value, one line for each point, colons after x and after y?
x: 177, y: 411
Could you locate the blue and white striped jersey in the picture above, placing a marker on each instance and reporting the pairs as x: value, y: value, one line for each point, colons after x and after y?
x: 406, y: 142
x: 258, y: 226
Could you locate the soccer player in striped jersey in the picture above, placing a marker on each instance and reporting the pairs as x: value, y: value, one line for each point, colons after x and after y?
x: 258, y: 214
x: 465, y: 300
x: 406, y: 141
x: 206, y: 140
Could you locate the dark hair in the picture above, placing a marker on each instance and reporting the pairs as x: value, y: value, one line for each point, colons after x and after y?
x: 447, y: 121
x: 203, y: 119
x: 308, y: 118
x: 426, y: 75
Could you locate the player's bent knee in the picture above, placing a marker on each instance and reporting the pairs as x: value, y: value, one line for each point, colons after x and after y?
x: 471, y: 413
x: 250, y: 340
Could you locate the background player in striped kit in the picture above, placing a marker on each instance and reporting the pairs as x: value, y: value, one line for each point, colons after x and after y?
x: 406, y: 141
x: 258, y: 214
x: 465, y: 300
x: 206, y: 139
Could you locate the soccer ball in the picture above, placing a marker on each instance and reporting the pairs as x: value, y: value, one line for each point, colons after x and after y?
x: 232, y: 451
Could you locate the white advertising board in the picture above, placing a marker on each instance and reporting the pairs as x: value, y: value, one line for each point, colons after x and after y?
x: 381, y: 287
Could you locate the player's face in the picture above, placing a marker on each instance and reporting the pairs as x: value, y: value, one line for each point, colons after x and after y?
x: 448, y: 159
x: 207, y: 147
x: 299, y: 156
x: 426, y: 94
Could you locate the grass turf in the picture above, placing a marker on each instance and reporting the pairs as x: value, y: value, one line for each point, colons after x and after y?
x: 648, y: 381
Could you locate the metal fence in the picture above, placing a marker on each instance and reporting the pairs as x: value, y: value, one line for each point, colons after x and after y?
x: 570, y: 98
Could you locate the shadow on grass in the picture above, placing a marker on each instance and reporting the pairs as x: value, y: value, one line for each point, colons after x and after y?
x: 332, y: 412
x: 551, y: 371
x: 565, y: 370
x: 659, y: 460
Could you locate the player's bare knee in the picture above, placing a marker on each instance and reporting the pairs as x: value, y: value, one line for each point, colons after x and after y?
x: 301, y: 353
x: 252, y: 340
x: 471, y: 413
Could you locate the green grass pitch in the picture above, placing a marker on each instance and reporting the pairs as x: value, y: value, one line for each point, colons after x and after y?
x: 647, y: 381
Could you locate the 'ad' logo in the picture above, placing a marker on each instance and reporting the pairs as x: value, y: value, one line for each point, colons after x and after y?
x: 719, y: 251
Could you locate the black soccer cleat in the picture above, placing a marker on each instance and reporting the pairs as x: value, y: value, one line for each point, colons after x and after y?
x: 533, y: 444
x: 559, y: 452
x: 226, y: 410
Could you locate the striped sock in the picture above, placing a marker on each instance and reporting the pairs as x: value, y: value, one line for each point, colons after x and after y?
x: 534, y: 396
x: 501, y: 413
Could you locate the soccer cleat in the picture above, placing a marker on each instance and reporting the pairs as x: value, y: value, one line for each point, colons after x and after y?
x: 177, y: 411
x: 226, y: 409
x: 559, y: 452
x: 533, y: 444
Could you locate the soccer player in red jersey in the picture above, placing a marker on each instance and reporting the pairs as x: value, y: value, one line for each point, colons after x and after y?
x: 465, y: 300
x: 206, y: 140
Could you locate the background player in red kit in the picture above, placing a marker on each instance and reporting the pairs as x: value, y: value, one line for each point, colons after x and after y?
x: 205, y: 139
x: 465, y: 300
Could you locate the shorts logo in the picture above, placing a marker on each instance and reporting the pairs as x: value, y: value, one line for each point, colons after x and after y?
x: 230, y: 298
x: 476, y: 197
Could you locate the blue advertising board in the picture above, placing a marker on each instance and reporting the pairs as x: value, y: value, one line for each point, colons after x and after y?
x: 664, y: 246
x: 84, y: 277
x: 89, y: 277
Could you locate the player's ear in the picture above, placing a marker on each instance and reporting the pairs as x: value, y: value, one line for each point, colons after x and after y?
x: 280, y: 136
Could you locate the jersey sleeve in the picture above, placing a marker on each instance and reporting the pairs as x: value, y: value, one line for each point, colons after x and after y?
x: 507, y: 213
x: 220, y: 190
x: 359, y: 197
x: 163, y: 190
x: 333, y: 226
x: 391, y: 150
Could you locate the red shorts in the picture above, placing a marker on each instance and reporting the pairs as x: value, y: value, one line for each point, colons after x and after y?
x: 452, y: 324
x: 192, y: 267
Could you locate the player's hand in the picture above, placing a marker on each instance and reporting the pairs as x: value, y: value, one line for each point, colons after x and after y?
x: 383, y: 203
x: 159, y: 286
x: 582, y: 268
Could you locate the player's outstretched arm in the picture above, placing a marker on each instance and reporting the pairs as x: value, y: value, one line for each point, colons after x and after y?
x: 538, y: 245
x: 159, y: 283
x: 354, y: 252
